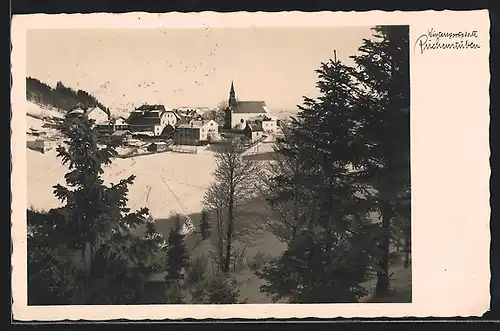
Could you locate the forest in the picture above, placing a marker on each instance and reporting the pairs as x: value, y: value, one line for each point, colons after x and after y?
x: 62, y: 97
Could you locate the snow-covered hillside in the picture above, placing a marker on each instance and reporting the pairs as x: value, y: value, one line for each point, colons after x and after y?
x: 166, y: 183
x: 37, y: 119
x: 35, y: 110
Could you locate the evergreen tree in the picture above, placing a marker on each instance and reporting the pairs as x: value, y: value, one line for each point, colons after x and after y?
x: 61, y: 97
x: 53, y: 278
x: 204, y: 225
x: 284, y: 189
x: 220, y: 291
x: 96, y: 253
x: 384, y: 131
x: 217, y: 289
x: 332, y: 253
x: 177, y: 254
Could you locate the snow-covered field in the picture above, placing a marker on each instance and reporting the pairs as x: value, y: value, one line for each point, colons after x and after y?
x: 166, y: 183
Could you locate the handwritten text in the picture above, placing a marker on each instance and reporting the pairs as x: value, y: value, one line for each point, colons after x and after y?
x: 438, y: 40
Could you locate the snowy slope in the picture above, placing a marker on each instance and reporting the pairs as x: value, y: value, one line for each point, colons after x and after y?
x: 37, y: 111
x: 166, y: 183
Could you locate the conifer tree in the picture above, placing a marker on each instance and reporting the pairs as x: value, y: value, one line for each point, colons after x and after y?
x: 177, y: 254
x: 331, y: 254
x: 220, y: 291
x: 384, y: 131
x: 97, y: 253
x: 204, y: 225
x: 60, y: 97
x: 284, y: 190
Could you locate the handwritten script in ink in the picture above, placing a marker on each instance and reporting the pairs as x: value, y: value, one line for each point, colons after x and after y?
x: 440, y: 40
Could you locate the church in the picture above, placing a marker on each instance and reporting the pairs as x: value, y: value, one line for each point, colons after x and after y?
x: 238, y: 113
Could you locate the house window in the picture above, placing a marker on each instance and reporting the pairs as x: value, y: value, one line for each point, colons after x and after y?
x: 202, y: 130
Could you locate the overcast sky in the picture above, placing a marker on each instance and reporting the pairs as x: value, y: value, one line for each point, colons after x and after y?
x: 189, y: 67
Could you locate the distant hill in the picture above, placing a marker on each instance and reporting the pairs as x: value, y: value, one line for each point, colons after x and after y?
x: 61, y: 97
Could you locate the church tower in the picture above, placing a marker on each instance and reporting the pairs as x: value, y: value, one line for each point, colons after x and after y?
x: 232, y: 104
x: 232, y: 97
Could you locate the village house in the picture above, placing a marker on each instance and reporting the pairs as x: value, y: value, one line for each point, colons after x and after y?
x: 269, y: 124
x: 40, y: 145
x: 158, y: 146
x: 113, y: 125
x: 119, y: 123
x: 254, y: 131
x: 239, y: 112
x: 195, y: 131
x: 76, y: 111
x: 121, y: 136
x: 99, y: 115
x: 151, y: 119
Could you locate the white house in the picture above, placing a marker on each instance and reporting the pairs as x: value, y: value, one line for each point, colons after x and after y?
x: 254, y: 131
x: 171, y: 117
x: 195, y: 131
x: 97, y: 114
x: 269, y: 124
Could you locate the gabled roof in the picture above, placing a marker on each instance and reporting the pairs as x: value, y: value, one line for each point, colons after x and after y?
x: 167, y: 130
x: 250, y: 107
x: 151, y: 107
x: 255, y: 127
x: 76, y: 111
x: 146, y: 117
x: 143, y: 120
x: 91, y: 109
x: 177, y: 116
x: 82, y: 110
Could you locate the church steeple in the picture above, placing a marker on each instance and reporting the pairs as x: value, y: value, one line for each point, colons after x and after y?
x: 232, y: 96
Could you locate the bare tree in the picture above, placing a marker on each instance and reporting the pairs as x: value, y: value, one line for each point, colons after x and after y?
x: 235, y: 182
x: 218, y: 114
x: 214, y: 200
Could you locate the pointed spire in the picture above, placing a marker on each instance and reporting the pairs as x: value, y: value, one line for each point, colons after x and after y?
x: 232, y: 87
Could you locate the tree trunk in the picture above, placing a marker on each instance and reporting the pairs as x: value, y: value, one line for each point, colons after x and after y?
x: 229, y: 233
x: 382, y: 287
x: 87, y: 258
x: 295, y: 205
x: 220, y: 238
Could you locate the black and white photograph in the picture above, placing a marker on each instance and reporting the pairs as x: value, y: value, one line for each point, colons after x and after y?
x: 219, y: 165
